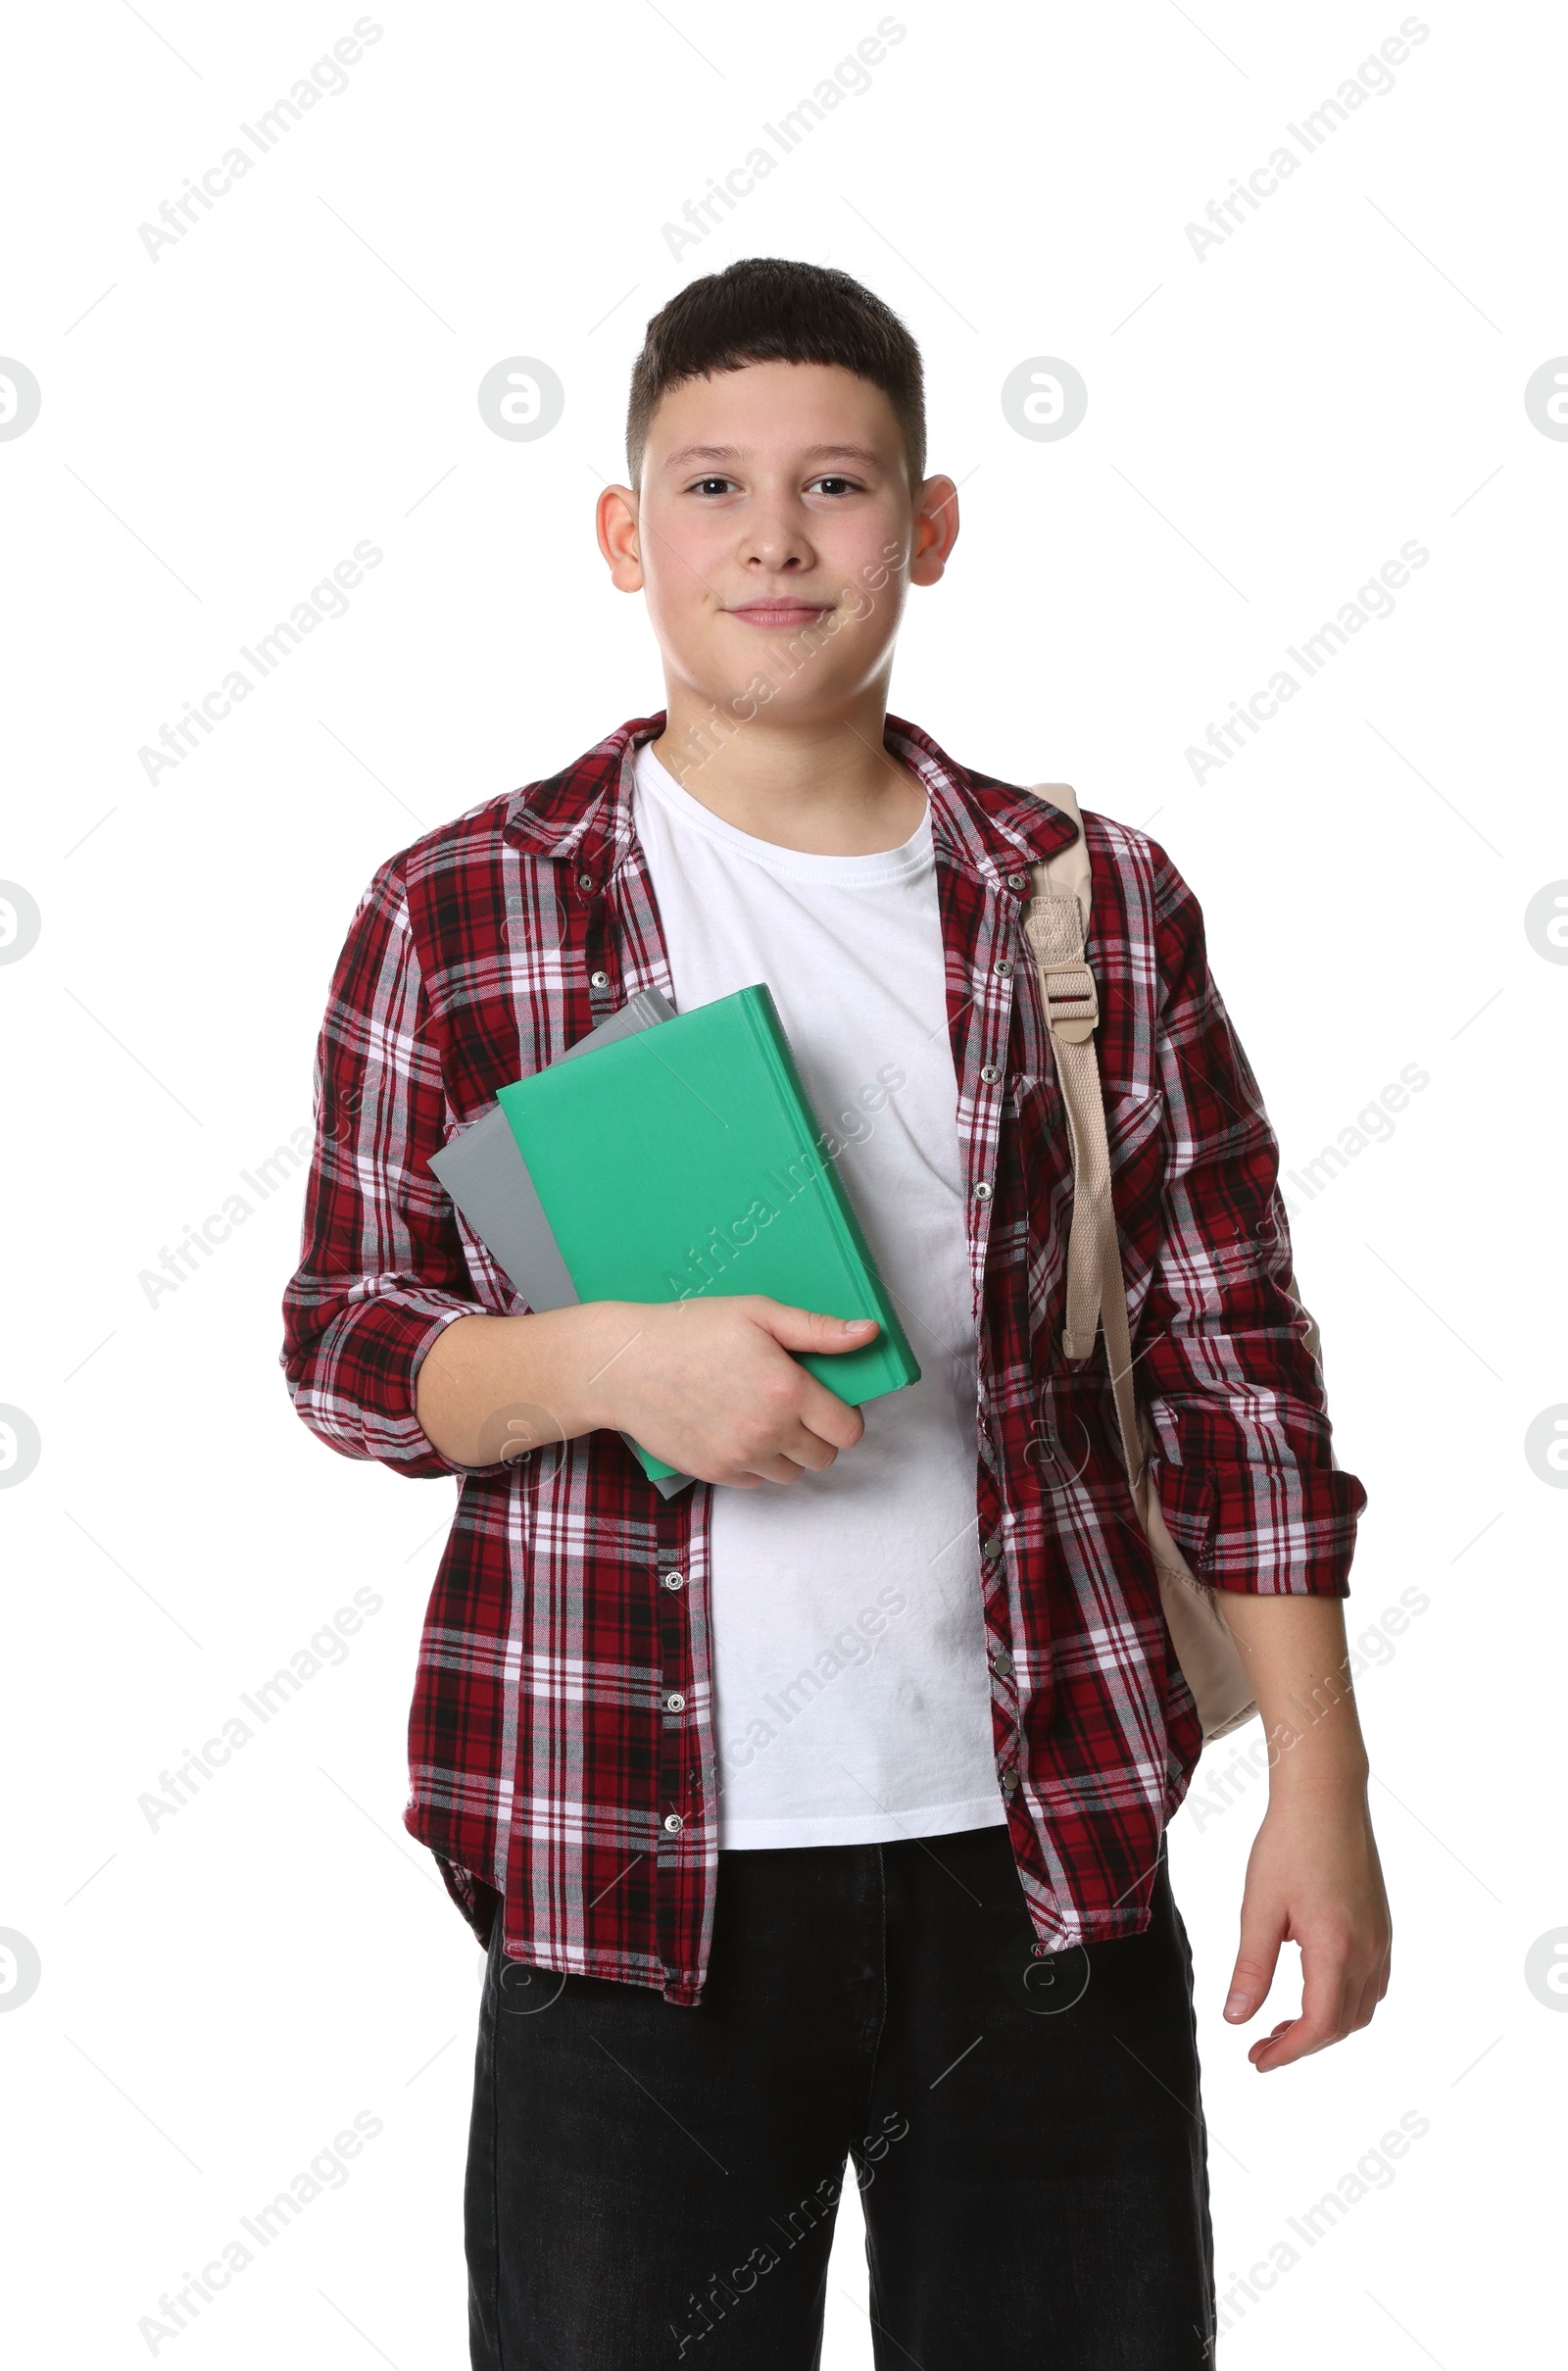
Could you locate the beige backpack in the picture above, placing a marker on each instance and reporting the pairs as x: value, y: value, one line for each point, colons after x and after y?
x: 1054, y: 922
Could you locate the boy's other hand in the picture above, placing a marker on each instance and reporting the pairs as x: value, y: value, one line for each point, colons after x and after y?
x: 709, y: 1385
x: 1313, y: 1879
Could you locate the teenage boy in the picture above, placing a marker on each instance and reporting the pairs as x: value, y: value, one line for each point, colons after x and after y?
x: 817, y: 1813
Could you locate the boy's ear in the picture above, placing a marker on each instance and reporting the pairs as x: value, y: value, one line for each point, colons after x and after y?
x: 615, y: 520
x: 935, y: 529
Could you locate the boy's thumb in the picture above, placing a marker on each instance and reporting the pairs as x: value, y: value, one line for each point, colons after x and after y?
x: 809, y: 1330
x: 1255, y: 1962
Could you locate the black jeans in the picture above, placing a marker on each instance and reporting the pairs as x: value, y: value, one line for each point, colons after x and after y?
x: 650, y: 2184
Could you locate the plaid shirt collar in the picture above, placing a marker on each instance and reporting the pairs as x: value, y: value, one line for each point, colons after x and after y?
x: 981, y: 826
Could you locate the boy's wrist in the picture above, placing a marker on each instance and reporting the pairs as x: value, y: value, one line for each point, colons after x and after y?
x: 1328, y: 1760
x: 491, y: 1385
x: 594, y: 1334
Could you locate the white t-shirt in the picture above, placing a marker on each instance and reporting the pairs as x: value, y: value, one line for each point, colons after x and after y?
x: 853, y: 1699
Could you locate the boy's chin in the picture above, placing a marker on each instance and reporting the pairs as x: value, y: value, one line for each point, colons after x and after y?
x: 785, y: 711
x: 784, y: 690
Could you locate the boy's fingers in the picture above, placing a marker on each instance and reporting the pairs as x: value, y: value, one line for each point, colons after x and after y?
x: 1267, y: 2048
x: 830, y: 1419
x: 1328, y: 1998
x: 823, y: 1414
x: 1337, y: 2000
x: 777, y: 1468
x: 806, y: 1448
x: 1331, y: 1990
x: 1371, y: 1995
x: 1372, y: 1992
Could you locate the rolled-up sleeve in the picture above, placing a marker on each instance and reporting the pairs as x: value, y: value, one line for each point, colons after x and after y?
x: 1245, y: 1465
x: 381, y: 1270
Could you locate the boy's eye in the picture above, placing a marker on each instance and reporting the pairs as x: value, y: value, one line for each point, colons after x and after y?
x: 712, y: 485
x: 836, y: 486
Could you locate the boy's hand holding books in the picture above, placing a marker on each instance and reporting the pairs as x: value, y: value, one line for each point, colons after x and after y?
x: 709, y: 1385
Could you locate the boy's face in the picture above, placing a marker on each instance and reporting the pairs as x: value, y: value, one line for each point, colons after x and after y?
x: 774, y: 535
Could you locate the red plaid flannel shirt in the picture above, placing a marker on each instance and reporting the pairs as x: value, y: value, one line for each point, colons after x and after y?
x: 547, y: 1772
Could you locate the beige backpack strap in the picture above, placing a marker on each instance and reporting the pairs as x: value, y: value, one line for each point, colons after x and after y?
x: 1055, y: 925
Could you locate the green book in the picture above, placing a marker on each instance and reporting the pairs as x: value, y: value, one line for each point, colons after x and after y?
x: 684, y: 1161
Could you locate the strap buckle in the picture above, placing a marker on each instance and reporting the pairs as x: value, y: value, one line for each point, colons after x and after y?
x: 1072, y: 1001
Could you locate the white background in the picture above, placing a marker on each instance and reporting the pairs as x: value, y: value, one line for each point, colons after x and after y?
x: 1267, y: 426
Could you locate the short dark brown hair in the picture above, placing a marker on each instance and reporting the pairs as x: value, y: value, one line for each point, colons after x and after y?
x: 766, y: 310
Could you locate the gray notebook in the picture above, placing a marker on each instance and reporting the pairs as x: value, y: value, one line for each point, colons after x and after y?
x: 488, y: 1179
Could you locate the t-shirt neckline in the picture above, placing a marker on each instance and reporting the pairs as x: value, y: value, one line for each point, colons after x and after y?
x: 881, y: 865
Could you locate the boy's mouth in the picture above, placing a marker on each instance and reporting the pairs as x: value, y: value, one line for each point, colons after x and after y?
x: 793, y: 613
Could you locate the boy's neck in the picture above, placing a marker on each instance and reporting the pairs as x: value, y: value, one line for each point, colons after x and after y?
x: 824, y: 786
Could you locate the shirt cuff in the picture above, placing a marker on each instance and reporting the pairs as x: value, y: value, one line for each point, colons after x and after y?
x: 357, y: 1393
x: 1260, y: 1532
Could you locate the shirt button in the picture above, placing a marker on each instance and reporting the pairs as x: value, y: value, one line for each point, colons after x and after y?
x: 672, y: 1580
x: 675, y: 1704
x: 991, y: 1073
x: 992, y: 1547
x: 1003, y: 969
x: 673, y: 1822
x: 1010, y: 1785
x: 1017, y: 880
x: 585, y: 880
x: 598, y: 979
x: 1001, y: 1663
x: 982, y: 1192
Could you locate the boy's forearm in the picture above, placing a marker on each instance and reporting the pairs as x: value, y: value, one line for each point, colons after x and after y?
x: 1297, y: 1660
x: 492, y: 1386
x: 1313, y: 1874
